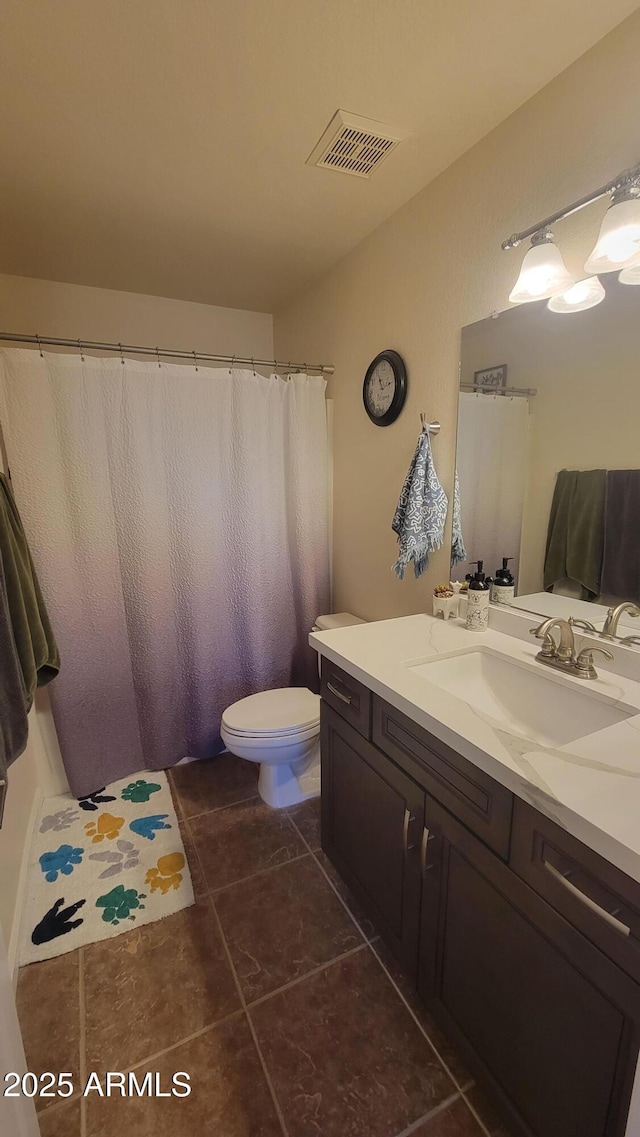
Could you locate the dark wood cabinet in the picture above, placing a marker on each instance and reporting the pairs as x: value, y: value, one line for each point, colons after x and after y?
x: 346, y: 695
x: 372, y: 821
x: 549, y: 1021
x: 593, y: 894
x: 477, y: 800
x: 495, y: 913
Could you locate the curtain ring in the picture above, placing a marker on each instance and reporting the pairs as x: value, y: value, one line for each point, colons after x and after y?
x: 253, y: 366
x: 233, y: 360
x: 81, y: 351
x: 195, y: 359
x: 121, y: 354
x: 158, y: 356
x: 40, y: 347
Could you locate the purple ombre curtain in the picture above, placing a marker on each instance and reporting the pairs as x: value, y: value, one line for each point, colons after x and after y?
x: 178, y: 522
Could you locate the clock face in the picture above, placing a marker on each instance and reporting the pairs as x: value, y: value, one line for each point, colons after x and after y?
x: 385, y: 388
x: 381, y: 388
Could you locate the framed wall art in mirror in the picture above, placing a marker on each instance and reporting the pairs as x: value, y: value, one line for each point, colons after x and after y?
x: 491, y: 378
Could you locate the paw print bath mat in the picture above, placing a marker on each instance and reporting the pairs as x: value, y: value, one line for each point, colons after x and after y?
x: 103, y: 864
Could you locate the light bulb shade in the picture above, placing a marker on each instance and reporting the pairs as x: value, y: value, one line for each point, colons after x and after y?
x: 543, y: 274
x: 618, y: 243
x: 582, y: 295
x: 630, y: 275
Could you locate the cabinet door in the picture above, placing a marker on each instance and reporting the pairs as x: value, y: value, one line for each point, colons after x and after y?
x: 372, y: 820
x: 550, y: 1022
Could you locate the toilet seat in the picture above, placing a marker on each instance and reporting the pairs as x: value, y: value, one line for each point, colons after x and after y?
x: 285, y: 712
x: 276, y: 738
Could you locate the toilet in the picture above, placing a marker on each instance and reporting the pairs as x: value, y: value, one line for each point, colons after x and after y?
x: 280, y: 729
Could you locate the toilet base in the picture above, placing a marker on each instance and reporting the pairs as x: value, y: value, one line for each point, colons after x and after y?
x: 280, y: 784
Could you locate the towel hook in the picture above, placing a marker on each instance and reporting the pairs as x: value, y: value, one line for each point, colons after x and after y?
x: 429, y: 428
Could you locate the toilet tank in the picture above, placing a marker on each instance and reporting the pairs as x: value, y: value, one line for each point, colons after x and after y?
x: 335, y: 620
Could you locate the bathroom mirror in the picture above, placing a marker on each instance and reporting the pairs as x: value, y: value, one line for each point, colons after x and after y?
x: 542, y: 393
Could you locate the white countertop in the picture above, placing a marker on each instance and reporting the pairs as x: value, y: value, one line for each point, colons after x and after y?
x: 591, y: 786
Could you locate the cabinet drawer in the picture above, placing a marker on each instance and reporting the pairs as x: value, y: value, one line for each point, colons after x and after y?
x: 472, y: 796
x: 351, y: 699
x: 594, y: 895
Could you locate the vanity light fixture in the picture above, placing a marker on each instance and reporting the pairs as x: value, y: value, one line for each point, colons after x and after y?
x: 582, y: 295
x: 544, y: 275
x: 630, y: 275
x: 618, y: 243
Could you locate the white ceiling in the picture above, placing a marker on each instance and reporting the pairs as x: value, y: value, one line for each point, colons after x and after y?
x: 159, y: 146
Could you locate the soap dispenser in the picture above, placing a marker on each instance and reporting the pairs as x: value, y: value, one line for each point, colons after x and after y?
x: 503, y: 588
x: 478, y: 601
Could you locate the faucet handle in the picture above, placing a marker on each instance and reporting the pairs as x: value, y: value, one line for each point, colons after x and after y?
x: 586, y: 624
x: 584, y: 662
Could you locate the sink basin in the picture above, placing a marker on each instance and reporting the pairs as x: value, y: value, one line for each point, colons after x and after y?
x: 522, y: 699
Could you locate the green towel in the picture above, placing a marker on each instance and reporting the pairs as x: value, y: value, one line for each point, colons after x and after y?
x: 575, y: 537
x: 32, y: 634
x: 14, y: 727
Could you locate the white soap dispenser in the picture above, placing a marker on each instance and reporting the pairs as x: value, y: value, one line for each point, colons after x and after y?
x: 478, y: 601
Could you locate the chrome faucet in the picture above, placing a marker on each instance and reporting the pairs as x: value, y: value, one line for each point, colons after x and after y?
x: 562, y: 655
x: 610, y: 629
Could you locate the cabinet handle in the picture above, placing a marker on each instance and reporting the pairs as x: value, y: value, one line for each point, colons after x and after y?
x: 426, y: 837
x: 586, y: 900
x: 408, y: 818
x: 338, y: 694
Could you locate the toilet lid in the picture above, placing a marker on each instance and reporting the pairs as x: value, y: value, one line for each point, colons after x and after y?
x: 284, y: 710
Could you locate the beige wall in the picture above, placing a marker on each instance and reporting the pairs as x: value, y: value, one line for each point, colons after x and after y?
x: 435, y: 266
x: 586, y: 369
x: 68, y: 311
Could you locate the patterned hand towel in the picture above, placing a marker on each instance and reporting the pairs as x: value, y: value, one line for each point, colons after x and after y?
x: 421, y: 512
x: 458, y: 551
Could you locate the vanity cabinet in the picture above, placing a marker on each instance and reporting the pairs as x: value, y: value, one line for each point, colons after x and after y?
x: 372, y: 821
x: 550, y: 1023
x: 543, y: 1004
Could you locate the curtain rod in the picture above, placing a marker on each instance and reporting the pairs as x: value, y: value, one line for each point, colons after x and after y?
x: 517, y: 392
x: 193, y: 356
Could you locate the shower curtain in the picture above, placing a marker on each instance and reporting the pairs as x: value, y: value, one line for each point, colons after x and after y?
x: 178, y: 521
x: 492, y: 458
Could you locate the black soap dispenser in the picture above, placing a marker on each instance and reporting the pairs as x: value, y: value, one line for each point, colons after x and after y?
x: 503, y: 588
x: 478, y: 601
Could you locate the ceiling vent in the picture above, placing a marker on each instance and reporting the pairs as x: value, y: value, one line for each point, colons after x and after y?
x: 354, y: 145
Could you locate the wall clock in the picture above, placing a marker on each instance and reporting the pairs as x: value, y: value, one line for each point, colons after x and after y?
x: 385, y: 388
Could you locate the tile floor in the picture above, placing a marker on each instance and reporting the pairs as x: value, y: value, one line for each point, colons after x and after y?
x: 272, y: 992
